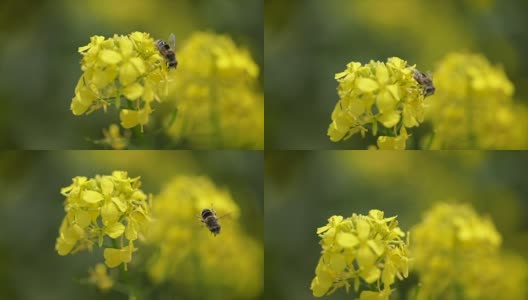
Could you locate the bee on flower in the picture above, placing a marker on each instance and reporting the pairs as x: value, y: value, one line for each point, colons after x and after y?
x: 167, y: 51
x: 127, y: 72
x: 381, y: 97
x: 425, y: 81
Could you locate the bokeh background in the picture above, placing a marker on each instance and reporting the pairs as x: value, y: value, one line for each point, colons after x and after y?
x: 31, y: 211
x: 40, y: 63
x: 303, y: 189
x: 308, y: 41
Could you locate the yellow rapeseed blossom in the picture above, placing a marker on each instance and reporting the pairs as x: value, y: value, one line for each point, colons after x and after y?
x: 114, y: 139
x: 393, y: 143
x: 190, y: 256
x: 383, y: 97
x: 105, y: 206
x: 99, y: 277
x: 457, y: 256
x: 367, y: 250
x: 473, y: 108
x: 125, y: 71
x: 215, y: 92
x: 502, y: 276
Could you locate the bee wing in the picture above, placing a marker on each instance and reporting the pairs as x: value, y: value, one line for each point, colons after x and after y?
x: 224, y: 215
x: 429, y: 74
x: 172, y: 41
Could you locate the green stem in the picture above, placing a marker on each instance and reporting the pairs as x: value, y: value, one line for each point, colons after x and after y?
x: 430, y: 144
x: 140, y: 137
x: 416, y: 292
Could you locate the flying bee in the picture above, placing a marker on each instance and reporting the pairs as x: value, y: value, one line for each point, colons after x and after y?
x: 209, y: 218
x: 167, y: 52
x: 425, y: 81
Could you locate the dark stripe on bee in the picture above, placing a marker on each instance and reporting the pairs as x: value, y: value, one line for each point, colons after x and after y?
x: 211, y: 221
x: 207, y: 213
x: 161, y: 44
x: 171, y: 57
x: 425, y: 82
x: 167, y: 53
x: 213, y: 226
x: 429, y: 91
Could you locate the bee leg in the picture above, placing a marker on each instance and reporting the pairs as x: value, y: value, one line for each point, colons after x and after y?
x: 199, y: 218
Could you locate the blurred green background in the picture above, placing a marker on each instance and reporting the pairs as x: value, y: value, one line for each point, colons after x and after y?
x: 31, y: 210
x: 303, y: 189
x: 41, y: 66
x: 308, y: 41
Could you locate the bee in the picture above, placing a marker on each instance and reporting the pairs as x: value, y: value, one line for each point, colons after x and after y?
x: 167, y: 52
x: 209, y: 218
x: 425, y: 81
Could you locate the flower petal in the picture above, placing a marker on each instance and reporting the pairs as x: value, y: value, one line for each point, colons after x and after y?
x: 92, y: 196
x: 129, y: 118
x: 347, y: 240
x: 112, y: 257
x: 133, y: 91
x: 367, y: 85
x: 115, y: 230
x: 110, y: 57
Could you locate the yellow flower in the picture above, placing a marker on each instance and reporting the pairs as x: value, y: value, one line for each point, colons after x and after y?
x: 127, y: 68
x: 230, y: 263
x: 502, y: 276
x: 105, y: 206
x: 100, y: 278
x: 393, y: 143
x: 132, y: 118
x: 457, y: 251
x: 115, y: 257
x: 216, y: 94
x: 370, y: 295
x: 114, y: 139
x: 368, y: 249
x: 376, y: 94
x: 473, y: 108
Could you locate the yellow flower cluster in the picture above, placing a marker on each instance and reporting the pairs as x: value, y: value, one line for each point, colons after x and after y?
x: 128, y: 68
x: 366, y: 249
x: 111, y: 206
x: 378, y: 93
x: 457, y: 256
x: 474, y: 108
x: 99, y: 277
x: 215, y: 91
x: 190, y: 256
